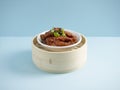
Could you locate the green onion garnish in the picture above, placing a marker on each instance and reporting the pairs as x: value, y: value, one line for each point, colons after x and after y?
x: 58, y: 33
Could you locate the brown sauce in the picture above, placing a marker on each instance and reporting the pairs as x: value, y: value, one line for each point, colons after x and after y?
x: 49, y: 39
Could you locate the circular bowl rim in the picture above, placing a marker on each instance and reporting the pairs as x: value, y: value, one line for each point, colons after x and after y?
x: 59, y: 47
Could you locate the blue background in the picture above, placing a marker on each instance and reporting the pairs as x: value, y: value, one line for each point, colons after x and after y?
x: 26, y: 18
x: 90, y: 17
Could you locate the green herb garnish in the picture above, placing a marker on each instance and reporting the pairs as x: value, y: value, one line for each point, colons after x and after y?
x: 58, y: 32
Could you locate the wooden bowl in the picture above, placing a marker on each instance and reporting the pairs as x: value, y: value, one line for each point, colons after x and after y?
x: 59, y: 61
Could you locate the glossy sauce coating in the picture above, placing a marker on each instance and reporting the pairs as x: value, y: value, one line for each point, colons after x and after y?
x: 49, y: 39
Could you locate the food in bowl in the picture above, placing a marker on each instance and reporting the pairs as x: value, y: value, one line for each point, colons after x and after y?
x: 58, y: 37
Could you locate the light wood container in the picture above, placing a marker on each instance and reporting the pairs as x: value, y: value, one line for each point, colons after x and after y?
x: 59, y: 61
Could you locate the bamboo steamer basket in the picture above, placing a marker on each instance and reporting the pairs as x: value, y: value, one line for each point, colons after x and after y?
x: 59, y: 61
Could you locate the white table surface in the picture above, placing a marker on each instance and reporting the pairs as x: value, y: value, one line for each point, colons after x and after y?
x: 101, y: 72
